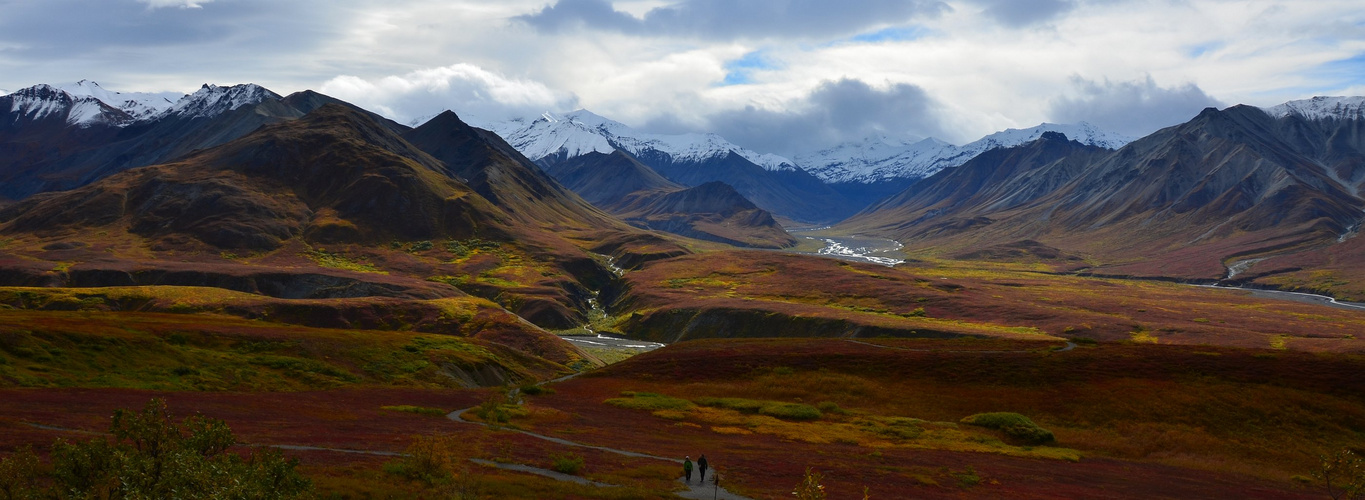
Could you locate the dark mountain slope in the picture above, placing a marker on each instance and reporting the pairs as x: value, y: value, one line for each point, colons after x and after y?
x: 796, y: 195
x: 712, y: 211
x: 606, y: 179
x: 502, y: 175
x: 1191, y: 200
x: 997, y: 180
x: 335, y: 175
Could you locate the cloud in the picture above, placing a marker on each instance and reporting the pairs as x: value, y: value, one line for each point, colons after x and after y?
x: 1020, y: 13
x: 1135, y: 108
x: 184, y: 4
x: 834, y: 112
x: 477, y: 95
x: 734, y: 19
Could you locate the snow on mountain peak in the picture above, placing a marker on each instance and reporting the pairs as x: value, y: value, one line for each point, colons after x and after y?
x: 1321, y: 108
x: 583, y: 131
x: 43, y: 101
x: 138, y: 105
x: 211, y: 100
x: 877, y: 158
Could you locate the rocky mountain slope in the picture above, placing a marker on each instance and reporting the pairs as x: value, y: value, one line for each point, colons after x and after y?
x: 771, y: 182
x: 1230, y: 186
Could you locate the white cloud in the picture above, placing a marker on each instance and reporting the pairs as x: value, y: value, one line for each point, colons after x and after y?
x: 184, y: 4
x: 476, y: 94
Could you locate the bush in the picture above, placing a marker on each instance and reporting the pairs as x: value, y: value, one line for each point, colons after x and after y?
x: 536, y: 390
x: 831, y: 407
x: 789, y: 411
x: 1014, y: 425
x: 649, y: 401
x: 421, y: 410
x: 568, y: 464
x: 149, y: 456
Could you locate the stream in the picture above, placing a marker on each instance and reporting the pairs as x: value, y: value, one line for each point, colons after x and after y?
x: 856, y: 248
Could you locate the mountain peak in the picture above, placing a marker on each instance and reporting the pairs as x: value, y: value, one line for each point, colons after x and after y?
x: 138, y: 105
x: 211, y: 100
x: 43, y: 101
x: 1321, y: 108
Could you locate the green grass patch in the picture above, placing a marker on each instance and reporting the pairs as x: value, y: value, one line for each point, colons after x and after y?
x: 778, y: 409
x: 649, y: 401
x: 420, y: 410
x: 337, y: 261
x: 1012, y: 424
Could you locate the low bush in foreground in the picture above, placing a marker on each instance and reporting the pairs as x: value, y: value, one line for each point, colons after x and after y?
x: 1012, y: 424
x: 149, y: 456
x: 568, y: 463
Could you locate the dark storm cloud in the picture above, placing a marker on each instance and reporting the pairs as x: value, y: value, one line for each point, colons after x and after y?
x: 1135, y: 108
x: 836, y: 111
x: 729, y: 19
x: 71, y: 29
x: 1020, y: 13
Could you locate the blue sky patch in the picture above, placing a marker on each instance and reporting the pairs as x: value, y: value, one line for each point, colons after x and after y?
x: 894, y: 34
x: 740, y: 71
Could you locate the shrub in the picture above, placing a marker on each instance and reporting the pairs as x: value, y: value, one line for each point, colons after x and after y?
x: 650, y: 401
x: 1012, y: 424
x: 421, y: 410
x: 536, y: 390
x: 427, y: 459
x: 149, y: 456
x: 831, y: 407
x: 789, y: 411
x: 810, y: 488
x: 568, y: 463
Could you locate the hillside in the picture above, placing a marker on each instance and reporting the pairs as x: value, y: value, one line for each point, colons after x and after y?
x: 712, y: 211
x: 1196, y: 200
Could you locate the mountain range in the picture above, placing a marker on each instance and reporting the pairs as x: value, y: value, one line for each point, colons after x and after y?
x: 1244, y: 192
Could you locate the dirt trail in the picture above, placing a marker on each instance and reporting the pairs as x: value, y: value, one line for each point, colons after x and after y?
x: 694, y: 491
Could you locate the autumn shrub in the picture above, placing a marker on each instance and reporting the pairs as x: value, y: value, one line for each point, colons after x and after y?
x: 649, y: 401
x: 1012, y: 424
x: 778, y: 409
x: 568, y: 463
x: 536, y: 390
x: 150, y: 456
x: 421, y: 410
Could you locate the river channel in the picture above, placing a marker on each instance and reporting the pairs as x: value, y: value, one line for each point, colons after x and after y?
x: 856, y: 248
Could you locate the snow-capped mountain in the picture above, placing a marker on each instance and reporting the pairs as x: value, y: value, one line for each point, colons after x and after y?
x: 1321, y: 108
x: 582, y: 132
x: 45, y: 102
x: 138, y: 105
x: 211, y: 100
x: 879, y: 159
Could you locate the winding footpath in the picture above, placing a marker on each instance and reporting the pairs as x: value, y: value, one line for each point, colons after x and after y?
x: 694, y: 491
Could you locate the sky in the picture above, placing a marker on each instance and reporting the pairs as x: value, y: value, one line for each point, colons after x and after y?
x: 775, y: 76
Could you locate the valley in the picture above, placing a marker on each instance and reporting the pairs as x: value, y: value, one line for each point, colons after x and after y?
x: 564, y: 307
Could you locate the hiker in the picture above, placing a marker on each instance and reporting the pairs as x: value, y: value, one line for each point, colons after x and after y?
x: 701, y: 467
x: 687, y: 468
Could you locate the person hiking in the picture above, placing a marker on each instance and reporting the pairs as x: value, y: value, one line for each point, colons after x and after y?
x: 687, y: 468
x: 701, y: 467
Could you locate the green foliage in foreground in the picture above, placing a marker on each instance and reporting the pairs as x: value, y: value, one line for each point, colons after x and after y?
x: 149, y: 456
x: 569, y: 463
x: 1014, y: 425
